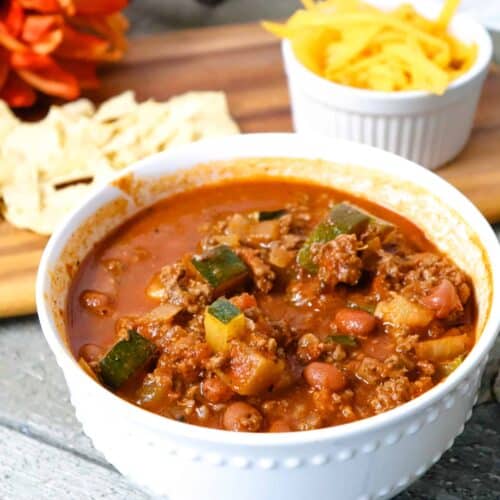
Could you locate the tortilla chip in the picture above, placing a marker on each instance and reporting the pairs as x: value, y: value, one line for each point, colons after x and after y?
x: 47, y: 168
x: 116, y: 107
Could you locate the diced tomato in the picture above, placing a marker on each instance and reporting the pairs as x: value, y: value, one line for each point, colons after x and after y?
x: 244, y: 301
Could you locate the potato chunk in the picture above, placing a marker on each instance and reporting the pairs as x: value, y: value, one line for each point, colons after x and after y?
x: 442, y: 349
x: 223, y: 322
x: 400, y: 311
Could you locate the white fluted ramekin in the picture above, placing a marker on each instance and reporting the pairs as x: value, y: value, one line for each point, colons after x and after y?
x: 365, y: 460
x: 422, y: 127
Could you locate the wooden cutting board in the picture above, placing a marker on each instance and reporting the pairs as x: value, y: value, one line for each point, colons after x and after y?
x: 245, y: 62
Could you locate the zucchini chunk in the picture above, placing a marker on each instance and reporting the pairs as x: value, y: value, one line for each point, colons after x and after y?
x: 349, y: 219
x: 271, y: 214
x: 221, y: 268
x: 223, y: 321
x: 125, y: 359
x: 383, y: 227
x: 343, y: 219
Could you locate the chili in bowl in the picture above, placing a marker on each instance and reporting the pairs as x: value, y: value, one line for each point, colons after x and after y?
x: 340, y: 314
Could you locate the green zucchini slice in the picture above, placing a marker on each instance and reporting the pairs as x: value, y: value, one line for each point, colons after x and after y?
x: 221, y: 267
x: 125, y: 359
x: 223, y: 310
x: 271, y: 214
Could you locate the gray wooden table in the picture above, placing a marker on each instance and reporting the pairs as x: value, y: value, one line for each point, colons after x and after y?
x: 44, y: 454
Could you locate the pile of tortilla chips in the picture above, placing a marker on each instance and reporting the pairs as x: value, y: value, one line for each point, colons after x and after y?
x: 48, y: 167
x: 356, y: 44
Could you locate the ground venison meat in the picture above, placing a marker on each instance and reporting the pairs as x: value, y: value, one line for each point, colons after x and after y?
x: 217, y: 361
x: 184, y: 353
x: 338, y: 260
x: 370, y: 370
x: 301, y: 215
x: 421, y: 385
x: 309, y: 348
x: 405, y: 342
x: 212, y: 233
x: 397, y: 365
x: 392, y: 269
x: 391, y: 393
x: 262, y: 273
x: 184, y: 289
x: 430, y: 269
x: 415, y: 275
x: 396, y: 243
x: 151, y: 329
x: 262, y: 343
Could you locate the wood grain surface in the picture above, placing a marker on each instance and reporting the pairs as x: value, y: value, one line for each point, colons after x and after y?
x: 245, y: 62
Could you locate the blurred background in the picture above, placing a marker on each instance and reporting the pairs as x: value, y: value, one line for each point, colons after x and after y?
x: 154, y: 16
x: 150, y: 16
x: 158, y: 15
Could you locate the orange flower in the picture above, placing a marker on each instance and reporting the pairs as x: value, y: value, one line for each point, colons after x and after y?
x: 54, y: 46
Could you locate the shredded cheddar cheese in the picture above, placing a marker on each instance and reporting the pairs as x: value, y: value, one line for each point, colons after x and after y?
x: 353, y: 43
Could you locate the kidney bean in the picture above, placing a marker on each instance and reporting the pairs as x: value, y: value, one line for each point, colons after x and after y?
x: 279, y: 425
x: 242, y: 417
x: 324, y: 376
x: 354, y: 322
x: 91, y: 353
x: 114, y: 266
x: 443, y: 299
x: 96, y: 302
x: 215, y: 390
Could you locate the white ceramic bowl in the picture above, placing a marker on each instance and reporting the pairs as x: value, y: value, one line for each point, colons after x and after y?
x: 423, y: 127
x: 368, y: 459
x: 487, y: 12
